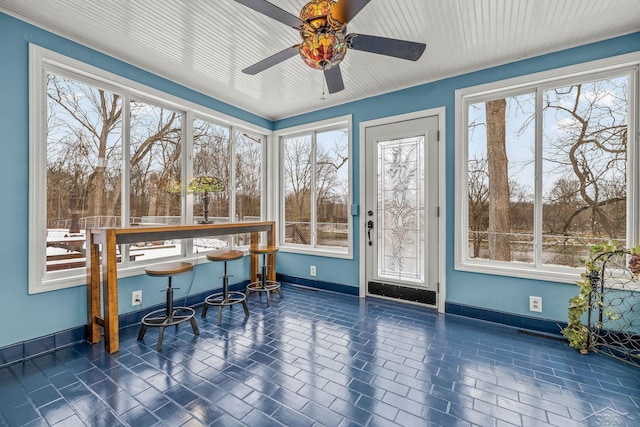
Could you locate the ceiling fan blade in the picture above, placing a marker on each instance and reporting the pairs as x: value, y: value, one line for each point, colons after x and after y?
x: 272, y: 11
x: 345, y: 10
x: 403, y: 49
x: 272, y: 60
x: 333, y: 76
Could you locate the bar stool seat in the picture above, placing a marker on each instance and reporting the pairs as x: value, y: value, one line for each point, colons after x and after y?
x: 225, y: 298
x: 263, y: 284
x: 169, y: 315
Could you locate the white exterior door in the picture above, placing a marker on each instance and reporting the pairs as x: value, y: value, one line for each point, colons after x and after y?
x: 401, y: 210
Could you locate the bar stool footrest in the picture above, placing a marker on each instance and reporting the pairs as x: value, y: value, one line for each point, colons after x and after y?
x: 159, y: 317
x: 218, y: 299
x: 270, y: 285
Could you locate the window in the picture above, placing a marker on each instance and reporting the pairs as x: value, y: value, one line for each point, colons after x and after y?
x: 105, y: 151
x: 236, y: 164
x: 155, y: 161
x: 315, y: 188
x: 544, y: 173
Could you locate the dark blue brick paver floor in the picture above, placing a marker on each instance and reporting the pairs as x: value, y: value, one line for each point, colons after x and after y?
x: 319, y: 358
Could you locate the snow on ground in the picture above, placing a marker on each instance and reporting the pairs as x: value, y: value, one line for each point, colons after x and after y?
x: 143, y: 250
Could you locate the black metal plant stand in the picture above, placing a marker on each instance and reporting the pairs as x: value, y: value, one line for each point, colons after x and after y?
x: 614, y: 308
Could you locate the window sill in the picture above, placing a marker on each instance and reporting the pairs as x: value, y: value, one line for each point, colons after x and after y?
x: 524, y: 271
x: 343, y: 253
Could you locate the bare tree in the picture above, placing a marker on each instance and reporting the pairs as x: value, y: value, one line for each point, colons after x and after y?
x: 248, y: 175
x: 297, y: 168
x: 591, y: 148
x: 331, y: 189
x: 212, y: 157
x: 90, y: 117
x: 330, y: 183
x: 85, y: 137
x: 478, y: 195
x: 499, y: 212
x: 156, y: 148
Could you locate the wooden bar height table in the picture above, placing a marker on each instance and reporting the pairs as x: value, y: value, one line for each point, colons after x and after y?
x: 109, y: 238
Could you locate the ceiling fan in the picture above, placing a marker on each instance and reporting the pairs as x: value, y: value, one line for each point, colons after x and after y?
x: 323, y: 27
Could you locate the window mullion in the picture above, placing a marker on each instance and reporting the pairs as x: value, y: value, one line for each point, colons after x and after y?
x: 125, y: 215
x: 313, y: 219
x: 231, y: 185
x: 633, y: 163
x: 279, y: 168
x: 187, y: 171
x: 463, y: 177
x: 537, y: 211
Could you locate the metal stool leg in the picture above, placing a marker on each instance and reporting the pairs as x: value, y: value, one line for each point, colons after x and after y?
x: 160, y: 335
x: 245, y: 307
x: 225, y: 284
x: 143, y: 329
x: 194, y: 326
x: 263, y: 279
x: 225, y: 293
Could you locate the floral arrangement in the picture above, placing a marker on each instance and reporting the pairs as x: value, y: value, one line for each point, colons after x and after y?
x: 205, y: 184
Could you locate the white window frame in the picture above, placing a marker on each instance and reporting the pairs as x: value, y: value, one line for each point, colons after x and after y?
x: 315, y: 127
x: 622, y: 64
x: 43, y: 61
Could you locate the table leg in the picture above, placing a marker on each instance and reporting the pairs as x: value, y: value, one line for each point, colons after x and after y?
x: 271, y: 258
x: 110, y: 291
x: 93, y: 289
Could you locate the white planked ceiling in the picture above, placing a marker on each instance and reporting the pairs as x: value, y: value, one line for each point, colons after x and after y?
x: 204, y: 44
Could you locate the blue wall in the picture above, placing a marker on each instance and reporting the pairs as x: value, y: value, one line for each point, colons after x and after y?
x: 499, y: 293
x: 25, y: 317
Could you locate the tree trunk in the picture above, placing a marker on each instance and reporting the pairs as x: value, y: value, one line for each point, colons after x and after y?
x: 499, y: 215
x: 153, y: 195
x: 114, y: 203
x: 97, y: 192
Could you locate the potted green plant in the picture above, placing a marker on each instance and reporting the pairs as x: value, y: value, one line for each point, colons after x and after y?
x: 577, y: 332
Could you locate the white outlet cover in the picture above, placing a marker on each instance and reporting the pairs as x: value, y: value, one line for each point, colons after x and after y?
x: 136, y: 295
x: 535, y: 304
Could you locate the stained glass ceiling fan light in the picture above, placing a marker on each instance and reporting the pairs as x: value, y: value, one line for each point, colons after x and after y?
x: 323, y: 39
x: 323, y: 27
x: 323, y: 51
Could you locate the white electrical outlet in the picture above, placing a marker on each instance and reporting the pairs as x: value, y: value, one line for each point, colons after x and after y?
x: 312, y: 270
x: 535, y: 304
x: 136, y: 298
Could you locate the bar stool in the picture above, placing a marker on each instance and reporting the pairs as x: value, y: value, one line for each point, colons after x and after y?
x: 225, y: 298
x: 264, y: 285
x: 169, y: 315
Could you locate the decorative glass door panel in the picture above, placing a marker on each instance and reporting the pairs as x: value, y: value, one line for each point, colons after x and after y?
x: 401, y: 207
x: 401, y: 246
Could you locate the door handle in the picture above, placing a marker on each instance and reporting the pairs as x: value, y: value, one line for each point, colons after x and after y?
x: 369, y: 227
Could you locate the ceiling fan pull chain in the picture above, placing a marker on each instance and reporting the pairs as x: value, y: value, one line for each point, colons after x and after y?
x: 324, y: 78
